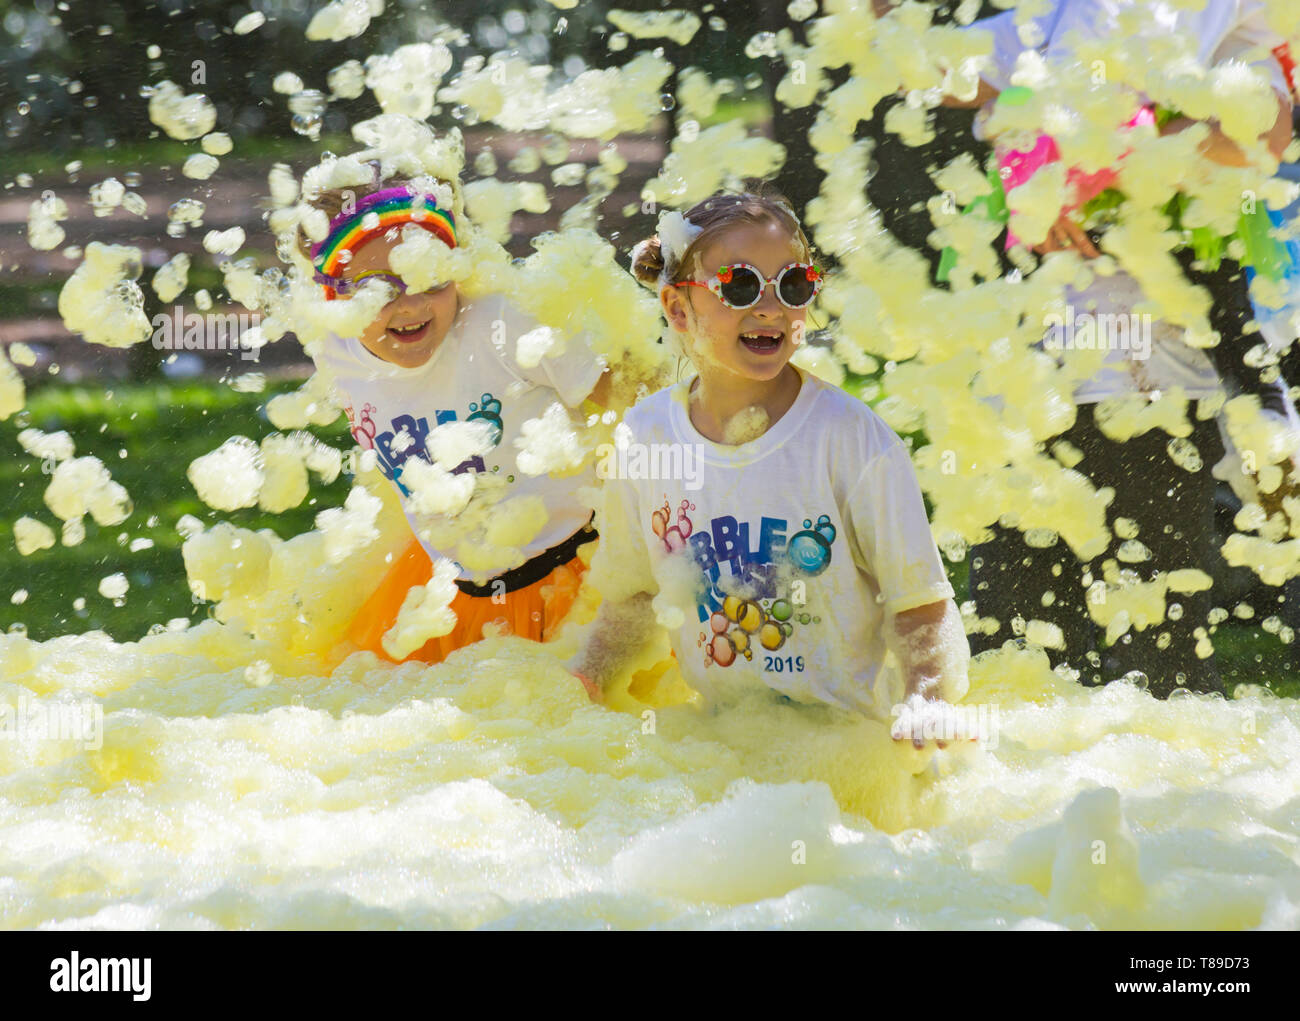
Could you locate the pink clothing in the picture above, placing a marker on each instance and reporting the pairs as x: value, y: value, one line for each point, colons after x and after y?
x: 1018, y: 166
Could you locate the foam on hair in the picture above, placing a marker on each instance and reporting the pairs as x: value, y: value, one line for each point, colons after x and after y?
x: 760, y: 203
x: 330, y: 202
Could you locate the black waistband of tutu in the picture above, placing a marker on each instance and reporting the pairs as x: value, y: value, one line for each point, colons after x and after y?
x: 535, y: 569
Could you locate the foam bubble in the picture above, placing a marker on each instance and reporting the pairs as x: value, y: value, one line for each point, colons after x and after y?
x: 13, y: 395
x: 229, y: 477
x: 224, y: 242
x: 343, y: 19
x: 43, y: 230
x: 679, y: 26
x: 552, y: 444
x: 106, y: 196
x: 54, y: 446
x: 31, y: 535
x: 182, y: 116
x: 102, y: 300
x: 114, y: 586
x: 249, y: 23
x: 406, y: 80
x: 82, y: 485
x: 200, y: 166
x: 425, y: 612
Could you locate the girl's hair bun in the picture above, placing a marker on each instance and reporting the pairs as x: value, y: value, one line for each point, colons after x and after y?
x: 648, y: 261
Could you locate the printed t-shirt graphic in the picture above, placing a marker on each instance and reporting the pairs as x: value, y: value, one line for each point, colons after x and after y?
x: 473, y: 375
x: 766, y: 614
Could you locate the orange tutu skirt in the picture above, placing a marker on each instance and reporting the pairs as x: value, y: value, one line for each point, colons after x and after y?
x: 534, y: 612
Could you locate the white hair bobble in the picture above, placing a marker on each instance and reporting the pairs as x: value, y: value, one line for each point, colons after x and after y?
x: 675, y: 236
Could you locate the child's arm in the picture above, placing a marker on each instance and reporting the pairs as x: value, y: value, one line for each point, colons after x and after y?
x: 931, y: 647
x: 622, y: 573
x: 613, y: 390
x: 887, y: 527
x: 602, y: 393
x: 575, y: 373
x: 622, y: 386
x: 619, y: 633
x: 1219, y: 148
x: 986, y: 92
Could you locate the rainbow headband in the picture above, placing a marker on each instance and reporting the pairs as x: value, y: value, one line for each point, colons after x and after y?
x: 393, y: 207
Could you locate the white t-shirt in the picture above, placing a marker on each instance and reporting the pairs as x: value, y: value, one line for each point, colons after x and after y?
x: 817, y: 530
x: 1221, y: 30
x: 472, y: 374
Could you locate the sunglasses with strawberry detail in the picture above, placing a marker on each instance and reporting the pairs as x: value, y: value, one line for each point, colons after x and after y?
x: 742, y: 285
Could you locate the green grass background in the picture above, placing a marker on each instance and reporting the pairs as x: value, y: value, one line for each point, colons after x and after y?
x: 161, y: 427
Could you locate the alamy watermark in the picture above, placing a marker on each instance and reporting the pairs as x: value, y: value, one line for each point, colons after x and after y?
x: 32, y: 719
x: 681, y: 462
x: 1098, y: 331
x: 77, y: 974
x: 945, y: 721
x: 179, y: 330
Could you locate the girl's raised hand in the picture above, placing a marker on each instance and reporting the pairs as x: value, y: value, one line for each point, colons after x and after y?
x: 1066, y: 235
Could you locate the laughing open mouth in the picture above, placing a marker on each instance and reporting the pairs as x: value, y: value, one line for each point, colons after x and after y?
x: 762, y: 341
x: 414, y: 331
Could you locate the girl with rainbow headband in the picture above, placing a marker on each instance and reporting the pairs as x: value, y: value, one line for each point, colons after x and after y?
x: 799, y: 556
x: 374, y: 216
x: 427, y: 359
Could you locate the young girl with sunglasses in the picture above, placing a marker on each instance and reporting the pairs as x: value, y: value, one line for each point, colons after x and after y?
x: 430, y: 358
x: 801, y: 553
